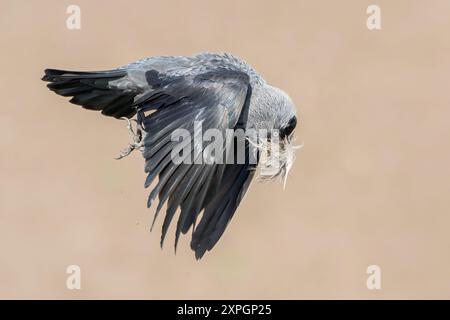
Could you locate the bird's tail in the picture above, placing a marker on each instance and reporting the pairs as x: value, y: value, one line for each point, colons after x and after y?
x: 91, y: 90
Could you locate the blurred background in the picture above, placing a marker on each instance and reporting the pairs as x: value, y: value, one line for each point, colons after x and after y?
x: 370, y: 186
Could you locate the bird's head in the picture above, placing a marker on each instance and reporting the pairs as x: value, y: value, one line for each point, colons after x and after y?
x: 273, y: 114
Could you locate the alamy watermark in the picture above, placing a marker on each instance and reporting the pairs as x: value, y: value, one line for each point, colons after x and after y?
x: 73, y: 21
x: 374, y: 20
x: 269, y: 148
x: 73, y: 281
x: 374, y: 279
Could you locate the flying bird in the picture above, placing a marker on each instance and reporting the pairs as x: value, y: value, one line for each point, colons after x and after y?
x: 165, y: 93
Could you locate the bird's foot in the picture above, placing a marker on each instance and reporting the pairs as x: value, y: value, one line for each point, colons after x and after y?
x: 136, y: 139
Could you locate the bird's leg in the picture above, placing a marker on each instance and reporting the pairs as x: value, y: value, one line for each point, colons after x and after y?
x: 136, y: 137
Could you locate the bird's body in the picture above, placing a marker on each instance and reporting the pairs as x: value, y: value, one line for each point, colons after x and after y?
x: 221, y: 92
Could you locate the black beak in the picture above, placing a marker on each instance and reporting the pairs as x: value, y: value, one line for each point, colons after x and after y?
x: 286, y: 131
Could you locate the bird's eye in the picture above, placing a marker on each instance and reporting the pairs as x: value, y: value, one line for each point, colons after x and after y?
x: 287, y: 130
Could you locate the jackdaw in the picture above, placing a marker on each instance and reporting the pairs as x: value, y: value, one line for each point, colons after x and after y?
x: 167, y: 93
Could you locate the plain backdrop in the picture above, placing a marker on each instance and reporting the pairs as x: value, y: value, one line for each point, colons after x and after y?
x: 369, y: 187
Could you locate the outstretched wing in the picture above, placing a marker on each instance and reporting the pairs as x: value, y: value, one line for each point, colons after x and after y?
x: 94, y: 90
x: 218, y: 99
x: 113, y: 92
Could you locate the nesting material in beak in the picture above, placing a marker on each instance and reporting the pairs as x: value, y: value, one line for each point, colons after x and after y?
x: 276, y: 158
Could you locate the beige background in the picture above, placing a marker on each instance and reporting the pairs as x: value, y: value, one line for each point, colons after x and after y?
x: 371, y: 185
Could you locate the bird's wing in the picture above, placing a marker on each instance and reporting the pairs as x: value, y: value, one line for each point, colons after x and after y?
x: 96, y: 90
x: 113, y: 91
x: 218, y: 99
